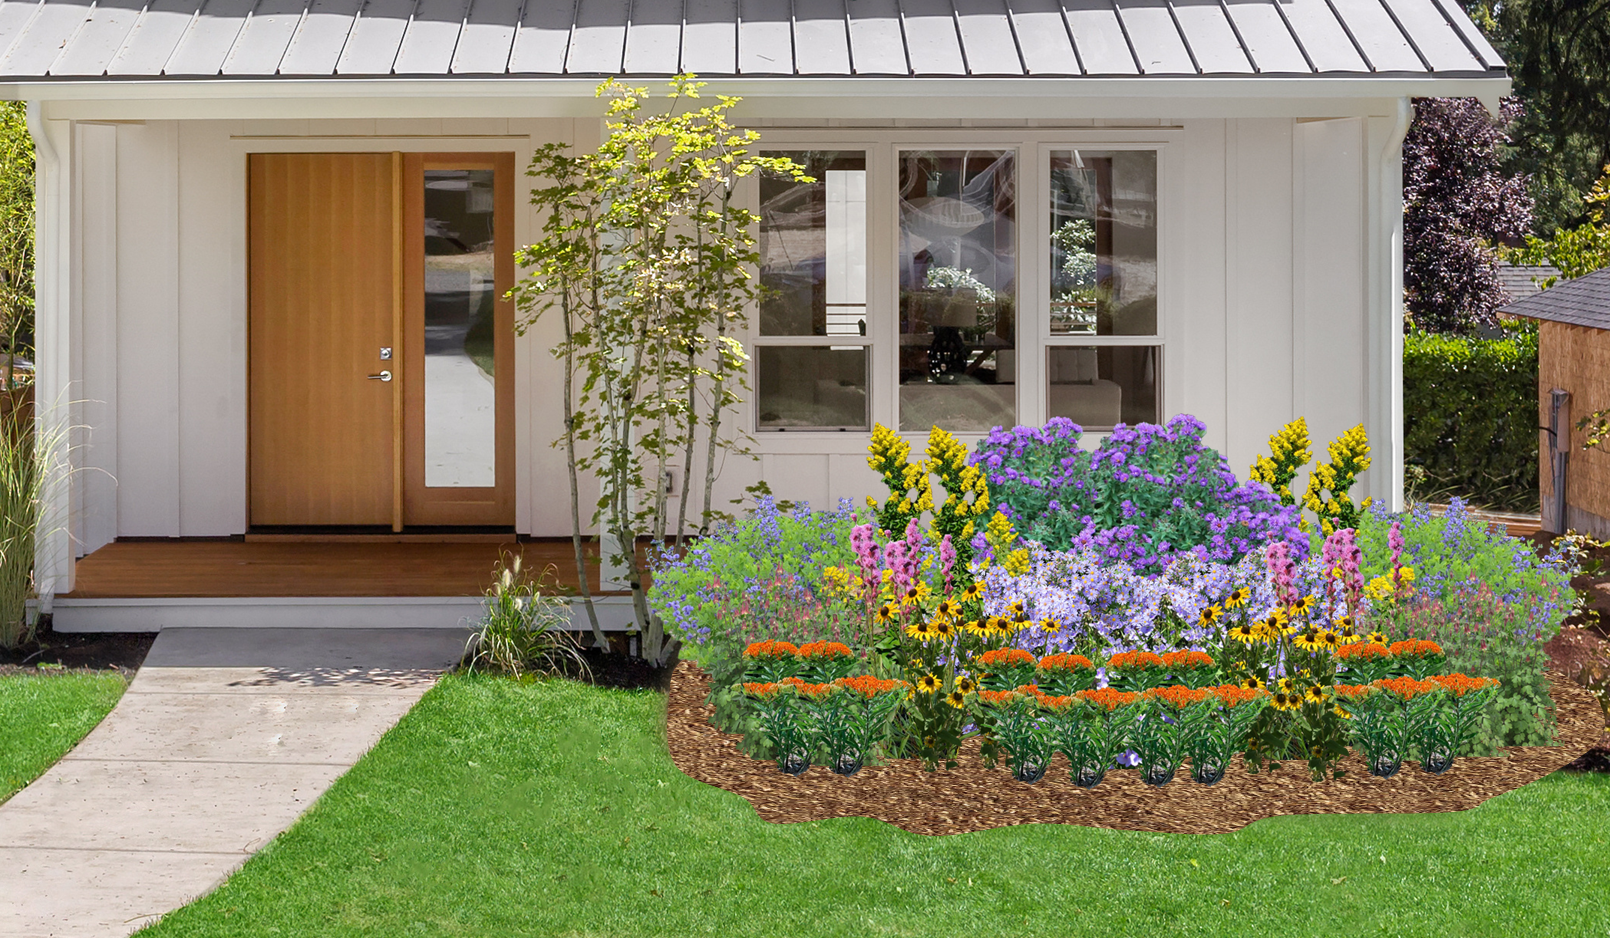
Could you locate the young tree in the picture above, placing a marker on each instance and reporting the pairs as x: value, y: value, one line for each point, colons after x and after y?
x: 646, y: 258
x: 1458, y: 204
x: 1580, y: 250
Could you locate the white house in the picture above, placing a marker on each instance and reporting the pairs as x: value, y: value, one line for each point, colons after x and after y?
x: 272, y: 234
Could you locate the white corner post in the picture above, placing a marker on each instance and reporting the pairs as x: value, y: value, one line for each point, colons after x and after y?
x: 1384, y: 326
x: 53, y: 378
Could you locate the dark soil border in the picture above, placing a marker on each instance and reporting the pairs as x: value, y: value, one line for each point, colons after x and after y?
x: 975, y: 797
x: 77, y: 651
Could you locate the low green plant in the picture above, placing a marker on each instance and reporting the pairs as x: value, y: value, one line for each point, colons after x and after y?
x: 1166, y: 732
x: 852, y: 721
x: 1379, y: 727
x: 789, y: 728
x: 1480, y: 633
x: 523, y: 630
x: 1450, y: 725
x: 1221, y: 721
x: 1091, y: 728
x: 1019, y: 728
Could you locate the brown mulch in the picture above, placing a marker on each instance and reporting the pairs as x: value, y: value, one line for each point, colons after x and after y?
x: 974, y: 797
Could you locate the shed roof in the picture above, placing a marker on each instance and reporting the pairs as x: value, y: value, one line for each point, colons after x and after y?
x: 1521, y: 280
x: 198, y: 39
x: 1584, y: 301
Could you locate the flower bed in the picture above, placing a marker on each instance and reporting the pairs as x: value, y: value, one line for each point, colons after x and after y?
x: 1199, y: 641
x: 975, y: 797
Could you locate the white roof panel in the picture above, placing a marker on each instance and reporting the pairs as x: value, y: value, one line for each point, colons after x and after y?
x: 195, y: 39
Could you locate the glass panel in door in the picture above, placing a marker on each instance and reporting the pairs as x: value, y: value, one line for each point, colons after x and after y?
x: 460, y: 308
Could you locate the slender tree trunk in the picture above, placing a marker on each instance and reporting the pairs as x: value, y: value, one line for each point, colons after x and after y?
x: 599, y: 639
x: 687, y: 449
x: 718, y: 385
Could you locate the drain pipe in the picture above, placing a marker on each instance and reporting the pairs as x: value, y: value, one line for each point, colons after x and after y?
x: 1559, y: 430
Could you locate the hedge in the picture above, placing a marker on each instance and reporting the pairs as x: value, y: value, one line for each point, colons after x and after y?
x: 1470, y: 417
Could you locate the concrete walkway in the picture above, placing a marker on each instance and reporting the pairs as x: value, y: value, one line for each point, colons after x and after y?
x: 223, y: 739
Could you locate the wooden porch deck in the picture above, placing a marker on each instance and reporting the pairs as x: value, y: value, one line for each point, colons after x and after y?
x: 203, y: 569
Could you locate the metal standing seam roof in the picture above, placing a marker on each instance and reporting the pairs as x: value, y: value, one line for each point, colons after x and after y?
x: 1584, y: 301
x: 193, y: 39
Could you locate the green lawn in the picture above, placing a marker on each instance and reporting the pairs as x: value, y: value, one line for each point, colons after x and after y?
x: 498, y: 809
x: 44, y: 715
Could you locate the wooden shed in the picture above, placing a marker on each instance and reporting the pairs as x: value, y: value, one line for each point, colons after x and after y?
x: 1573, y: 379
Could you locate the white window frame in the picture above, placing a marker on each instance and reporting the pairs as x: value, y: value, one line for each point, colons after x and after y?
x: 1033, y: 146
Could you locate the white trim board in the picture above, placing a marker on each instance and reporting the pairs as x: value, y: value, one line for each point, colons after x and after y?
x: 309, y: 612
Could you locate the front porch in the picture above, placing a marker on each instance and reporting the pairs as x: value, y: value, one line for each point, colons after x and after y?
x: 354, y: 581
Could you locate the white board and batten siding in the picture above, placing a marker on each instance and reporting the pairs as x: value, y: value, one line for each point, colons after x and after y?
x: 1265, y: 298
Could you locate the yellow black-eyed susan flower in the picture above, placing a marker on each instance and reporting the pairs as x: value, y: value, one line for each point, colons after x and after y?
x: 975, y: 627
x: 1210, y: 615
x: 1377, y: 637
x: 956, y: 699
x: 1252, y: 683
x: 886, y: 614
x: 1238, y: 597
x: 973, y: 590
x: 1308, y: 603
x: 1307, y: 640
x: 946, y: 610
x: 1285, y: 701
x: 944, y: 629
x: 1315, y: 694
x: 997, y: 627
x: 928, y: 683
x: 922, y: 630
x: 1050, y: 626
x: 1287, y: 685
x: 1016, y: 608
x: 1244, y: 633
x: 966, y: 685
x: 1329, y: 639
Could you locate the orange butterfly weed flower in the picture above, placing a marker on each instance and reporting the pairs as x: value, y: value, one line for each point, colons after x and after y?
x: 764, y: 691
x: 1005, y: 658
x: 1033, y: 690
x: 1056, y: 702
x: 1107, y: 698
x: 813, y: 691
x: 1178, y: 696
x: 1407, y: 687
x: 770, y: 649
x: 1354, y: 691
x: 1232, y: 695
x: 869, y: 686
x: 1187, y: 659
x: 825, y: 650
x: 1461, y: 684
x: 1415, y: 647
x: 1135, y: 659
x: 1365, y: 650
x: 998, y: 698
x: 1065, y: 663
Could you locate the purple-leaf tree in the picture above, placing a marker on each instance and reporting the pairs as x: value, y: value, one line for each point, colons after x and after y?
x: 1458, y: 204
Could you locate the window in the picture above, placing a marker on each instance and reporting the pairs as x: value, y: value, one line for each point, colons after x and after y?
x: 813, y: 278
x: 958, y: 282
x: 1102, y: 266
x: 895, y: 287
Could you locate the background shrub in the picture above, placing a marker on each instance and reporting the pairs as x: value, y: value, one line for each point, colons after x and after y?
x: 1470, y: 417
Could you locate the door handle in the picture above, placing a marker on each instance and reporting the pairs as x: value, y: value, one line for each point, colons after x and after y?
x: 383, y: 376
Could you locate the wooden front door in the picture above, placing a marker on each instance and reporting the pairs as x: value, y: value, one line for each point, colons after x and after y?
x: 324, y: 301
x: 381, y: 351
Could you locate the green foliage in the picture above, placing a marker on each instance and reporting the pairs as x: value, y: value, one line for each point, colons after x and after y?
x: 523, y: 629
x: 646, y: 257
x: 16, y: 237
x: 1470, y: 417
x: 1575, y: 251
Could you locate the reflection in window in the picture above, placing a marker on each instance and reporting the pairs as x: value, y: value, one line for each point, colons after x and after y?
x: 813, y: 247
x: 460, y: 393
x: 1104, y: 242
x: 806, y: 387
x: 1101, y: 386
x: 958, y: 282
